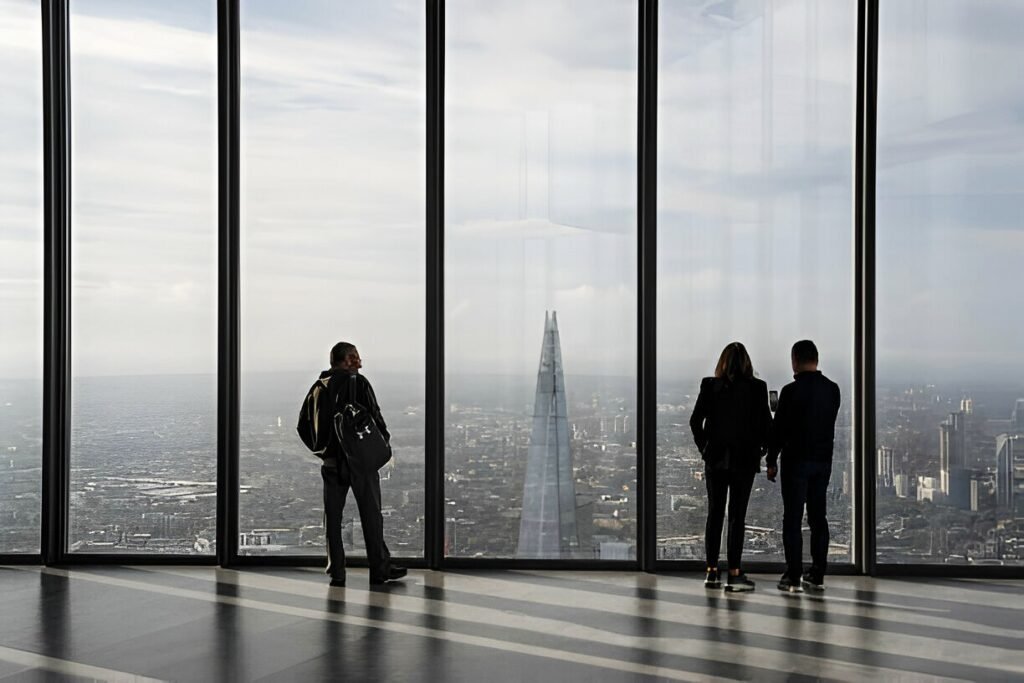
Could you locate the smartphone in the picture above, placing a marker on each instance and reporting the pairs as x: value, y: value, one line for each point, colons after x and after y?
x: 773, y: 400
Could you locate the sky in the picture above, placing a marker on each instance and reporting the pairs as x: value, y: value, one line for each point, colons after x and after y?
x: 754, y: 183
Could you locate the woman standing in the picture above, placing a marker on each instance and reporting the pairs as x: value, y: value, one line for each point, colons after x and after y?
x: 730, y: 423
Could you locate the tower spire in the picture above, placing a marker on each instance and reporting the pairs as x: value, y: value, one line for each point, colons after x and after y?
x: 547, y: 528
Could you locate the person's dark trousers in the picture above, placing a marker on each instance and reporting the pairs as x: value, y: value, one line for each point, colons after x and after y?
x: 735, y: 487
x: 366, y: 489
x: 805, y: 483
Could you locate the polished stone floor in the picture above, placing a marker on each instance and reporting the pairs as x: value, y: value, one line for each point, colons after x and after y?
x: 204, y: 624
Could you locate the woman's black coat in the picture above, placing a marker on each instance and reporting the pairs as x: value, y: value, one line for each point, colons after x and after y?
x: 731, y: 423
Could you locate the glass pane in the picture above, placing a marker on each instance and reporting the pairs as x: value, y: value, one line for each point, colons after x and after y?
x: 333, y: 249
x: 21, y: 273
x: 950, y: 243
x: 754, y: 233
x: 144, y: 276
x: 540, y: 326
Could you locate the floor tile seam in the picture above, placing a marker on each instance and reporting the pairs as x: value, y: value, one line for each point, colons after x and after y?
x: 34, y: 660
x: 20, y: 671
x: 849, y: 655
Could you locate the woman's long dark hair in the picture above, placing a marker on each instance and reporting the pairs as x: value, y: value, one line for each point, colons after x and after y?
x: 734, y: 363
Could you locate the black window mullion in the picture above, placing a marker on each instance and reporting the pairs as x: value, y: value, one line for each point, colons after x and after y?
x: 56, y: 277
x: 228, y: 299
x: 434, y: 357
x: 864, y: 287
x: 647, y: 281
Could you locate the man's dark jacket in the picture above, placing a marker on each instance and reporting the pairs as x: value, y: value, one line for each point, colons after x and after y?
x: 805, y: 420
x: 363, y: 394
x: 731, y: 422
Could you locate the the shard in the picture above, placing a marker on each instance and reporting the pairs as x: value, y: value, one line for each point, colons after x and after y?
x: 547, y: 528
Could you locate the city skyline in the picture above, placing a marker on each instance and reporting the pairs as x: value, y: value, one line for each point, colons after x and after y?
x: 486, y: 474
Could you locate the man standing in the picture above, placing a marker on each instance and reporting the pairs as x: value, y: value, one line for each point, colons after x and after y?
x: 340, y: 474
x: 804, y: 431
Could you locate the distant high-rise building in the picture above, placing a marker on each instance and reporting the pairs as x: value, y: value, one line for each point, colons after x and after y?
x: 886, y: 467
x: 967, y: 406
x: 1010, y: 474
x: 1004, y: 469
x: 901, y: 482
x: 952, y: 444
x: 926, y: 488
x: 1017, y: 416
x: 547, y: 528
x: 959, y: 494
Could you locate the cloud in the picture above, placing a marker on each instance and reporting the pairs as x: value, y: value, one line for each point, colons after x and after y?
x: 755, y: 198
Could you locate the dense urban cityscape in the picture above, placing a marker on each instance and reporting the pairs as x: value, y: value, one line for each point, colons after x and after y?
x: 950, y: 471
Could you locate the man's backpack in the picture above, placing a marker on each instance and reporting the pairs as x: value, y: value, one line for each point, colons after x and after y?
x: 357, y: 429
x: 316, y: 416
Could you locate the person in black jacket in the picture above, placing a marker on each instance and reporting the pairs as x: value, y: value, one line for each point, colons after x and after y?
x: 340, y: 475
x: 730, y: 422
x: 804, y: 432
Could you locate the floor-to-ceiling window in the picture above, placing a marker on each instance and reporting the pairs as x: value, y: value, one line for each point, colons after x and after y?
x: 755, y: 232
x: 144, y: 272
x: 21, y: 270
x: 333, y: 108
x: 755, y: 243
x: 540, y: 263
x: 950, y: 249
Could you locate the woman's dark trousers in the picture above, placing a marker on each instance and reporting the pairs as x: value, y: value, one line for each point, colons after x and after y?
x: 734, y: 486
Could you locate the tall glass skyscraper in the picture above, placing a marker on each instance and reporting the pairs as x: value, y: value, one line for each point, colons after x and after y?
x: 547, y: 528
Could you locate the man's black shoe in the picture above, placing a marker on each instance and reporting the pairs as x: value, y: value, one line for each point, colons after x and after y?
x: 712, y: 579
x: 394, y: 574
x: 789, y: 585
x: 337, y: 583
x: 738, y: 583
x: 813, y: 580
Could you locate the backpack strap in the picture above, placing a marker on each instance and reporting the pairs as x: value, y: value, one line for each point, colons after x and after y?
x: 332, y: 399
x: 350, y: 395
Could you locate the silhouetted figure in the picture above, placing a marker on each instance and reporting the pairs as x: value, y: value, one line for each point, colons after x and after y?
x: 341, y: 472
x: 804, y: 432
x: 730, y: 423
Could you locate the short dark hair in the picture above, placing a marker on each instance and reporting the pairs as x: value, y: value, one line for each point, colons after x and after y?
x: 339, y: 352
x: 804, y: 351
